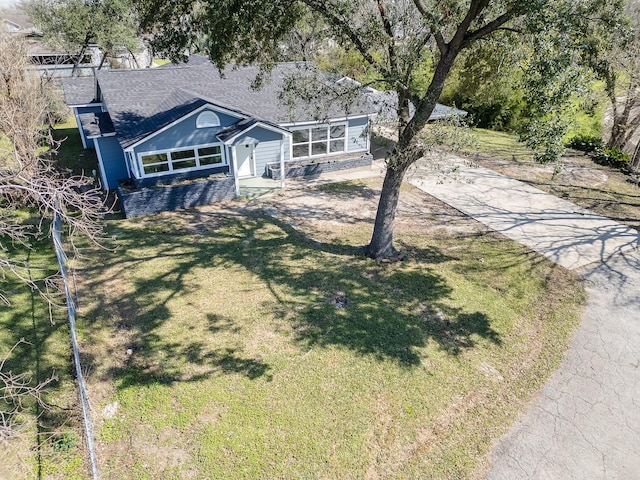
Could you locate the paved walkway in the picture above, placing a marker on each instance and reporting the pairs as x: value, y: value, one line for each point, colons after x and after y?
x: 585, y: 424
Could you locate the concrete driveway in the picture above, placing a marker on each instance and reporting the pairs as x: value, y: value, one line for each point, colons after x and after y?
x: 585, y: 423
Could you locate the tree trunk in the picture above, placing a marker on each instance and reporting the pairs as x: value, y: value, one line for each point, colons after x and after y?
x: 403, y: 156
x: 104, y: 57
x: 78, y: 59
x: 134, y: 61
x: 381, y: 245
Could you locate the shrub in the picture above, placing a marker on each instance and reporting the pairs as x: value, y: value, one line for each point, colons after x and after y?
x: 64, y: 442
x: 613, y: 157
x: 586, y: 143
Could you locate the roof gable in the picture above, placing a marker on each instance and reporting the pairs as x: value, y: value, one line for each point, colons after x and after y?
x: 229, y: 118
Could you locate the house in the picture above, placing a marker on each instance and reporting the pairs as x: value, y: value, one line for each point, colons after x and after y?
x: 52, y: 63
x: 183, y: 135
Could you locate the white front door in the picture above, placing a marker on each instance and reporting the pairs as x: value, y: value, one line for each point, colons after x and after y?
x: 244, y: 158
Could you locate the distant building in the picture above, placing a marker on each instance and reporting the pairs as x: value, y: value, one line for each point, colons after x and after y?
x: 50, y: 62
x: 55, y: 63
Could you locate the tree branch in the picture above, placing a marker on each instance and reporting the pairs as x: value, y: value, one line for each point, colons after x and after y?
x: 393, y: 60
x: 490, y: 27
x: 457, y: 42
x: 344, y: 27
x: 437, y: 35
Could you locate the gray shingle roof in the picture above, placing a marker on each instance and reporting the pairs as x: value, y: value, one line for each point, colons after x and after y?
x: 237, y: 128
x: 79, y: 90
x: 142, y: 101
x: 387, y: 104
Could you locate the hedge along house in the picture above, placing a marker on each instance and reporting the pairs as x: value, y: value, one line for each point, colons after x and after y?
x: 183, y: 135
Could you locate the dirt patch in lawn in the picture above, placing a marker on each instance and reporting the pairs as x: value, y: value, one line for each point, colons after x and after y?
x: 333, y: 209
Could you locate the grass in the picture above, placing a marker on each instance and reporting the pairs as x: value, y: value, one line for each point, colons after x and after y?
x: 50, y: 444
x: 500, y: 144
x: 37, y: 452
x: 237, y: 347
x: 229, y: 344
x: 71, y: 154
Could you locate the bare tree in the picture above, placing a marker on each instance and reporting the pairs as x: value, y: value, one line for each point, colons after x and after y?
x: 29, y: 178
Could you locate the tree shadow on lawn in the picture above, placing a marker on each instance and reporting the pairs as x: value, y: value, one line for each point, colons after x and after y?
x: 329, y: 293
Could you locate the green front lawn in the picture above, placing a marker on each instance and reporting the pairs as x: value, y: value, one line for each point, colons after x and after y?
x: 237, y: 347
x: 50, y: 443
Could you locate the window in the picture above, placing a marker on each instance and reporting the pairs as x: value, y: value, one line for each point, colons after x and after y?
x: 187, y: 159
x: 155, y: 163
x: 207, y: 119
x: 183, y: 159
x: 210, y: 155
x: 319, y: 140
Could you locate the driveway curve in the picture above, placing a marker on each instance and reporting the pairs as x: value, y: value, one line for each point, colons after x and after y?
x: 585, y: 423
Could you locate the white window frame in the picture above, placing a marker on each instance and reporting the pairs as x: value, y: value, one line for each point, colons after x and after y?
x: 169, y: 161
x: 327, y: 141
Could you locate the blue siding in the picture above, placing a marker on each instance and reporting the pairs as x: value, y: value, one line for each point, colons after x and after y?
x: 185, y: 134
x: 267, y: 149
x: 112, y: 157
x: 358, y: 133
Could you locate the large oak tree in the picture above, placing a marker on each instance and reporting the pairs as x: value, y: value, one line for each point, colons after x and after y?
x: 397, y: 38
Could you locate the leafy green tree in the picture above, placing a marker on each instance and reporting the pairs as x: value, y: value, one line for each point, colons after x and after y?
x: 396, y: 38
x: 73, y: 25
x: 487, y: 82
x: 306, y: 39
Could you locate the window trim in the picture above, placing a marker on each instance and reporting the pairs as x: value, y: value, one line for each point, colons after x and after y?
x: 171, y: 171
x: 310, y: 142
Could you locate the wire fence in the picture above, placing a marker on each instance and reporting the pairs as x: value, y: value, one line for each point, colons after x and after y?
x: 71, y: 309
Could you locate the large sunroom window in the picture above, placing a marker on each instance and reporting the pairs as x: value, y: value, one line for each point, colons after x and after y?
x: 319, y: 140
x: 180, y: 160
